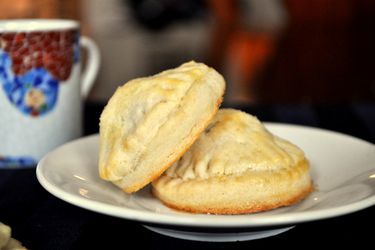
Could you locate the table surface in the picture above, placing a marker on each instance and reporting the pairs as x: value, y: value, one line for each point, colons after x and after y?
x: 41, y: 221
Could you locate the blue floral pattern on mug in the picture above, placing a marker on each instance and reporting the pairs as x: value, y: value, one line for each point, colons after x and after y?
x: 33, y: 64
x: 34, y: 93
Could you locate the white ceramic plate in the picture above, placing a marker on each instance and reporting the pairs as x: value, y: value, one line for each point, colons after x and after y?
x: 342, y: 167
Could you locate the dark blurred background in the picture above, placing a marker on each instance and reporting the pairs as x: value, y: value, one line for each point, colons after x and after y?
x: 274, y: 51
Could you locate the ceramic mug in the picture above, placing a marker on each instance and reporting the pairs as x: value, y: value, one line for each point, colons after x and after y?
x: 41, y: 87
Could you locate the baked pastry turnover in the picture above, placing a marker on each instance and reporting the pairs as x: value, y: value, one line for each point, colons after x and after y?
x: 150, y: 122
x: 236, y: 166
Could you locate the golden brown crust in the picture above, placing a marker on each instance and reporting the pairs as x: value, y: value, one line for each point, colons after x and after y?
x: 284, y: 188
x: 241, y: 210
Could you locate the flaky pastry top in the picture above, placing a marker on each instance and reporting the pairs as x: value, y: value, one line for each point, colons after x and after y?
x: 234, y: 143
x: 142, y: 110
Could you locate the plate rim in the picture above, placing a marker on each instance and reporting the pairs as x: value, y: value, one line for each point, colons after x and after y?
x: 199, y: 220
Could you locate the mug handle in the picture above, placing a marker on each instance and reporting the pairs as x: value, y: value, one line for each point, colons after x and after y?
x: 92, y: 66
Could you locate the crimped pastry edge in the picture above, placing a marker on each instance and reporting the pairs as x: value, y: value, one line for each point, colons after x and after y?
x: 300, y: 173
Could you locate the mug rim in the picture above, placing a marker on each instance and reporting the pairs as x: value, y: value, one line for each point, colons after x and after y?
x: 36, y: 24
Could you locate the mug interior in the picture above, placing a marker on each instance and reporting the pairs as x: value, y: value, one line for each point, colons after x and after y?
x: 37, y: 25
